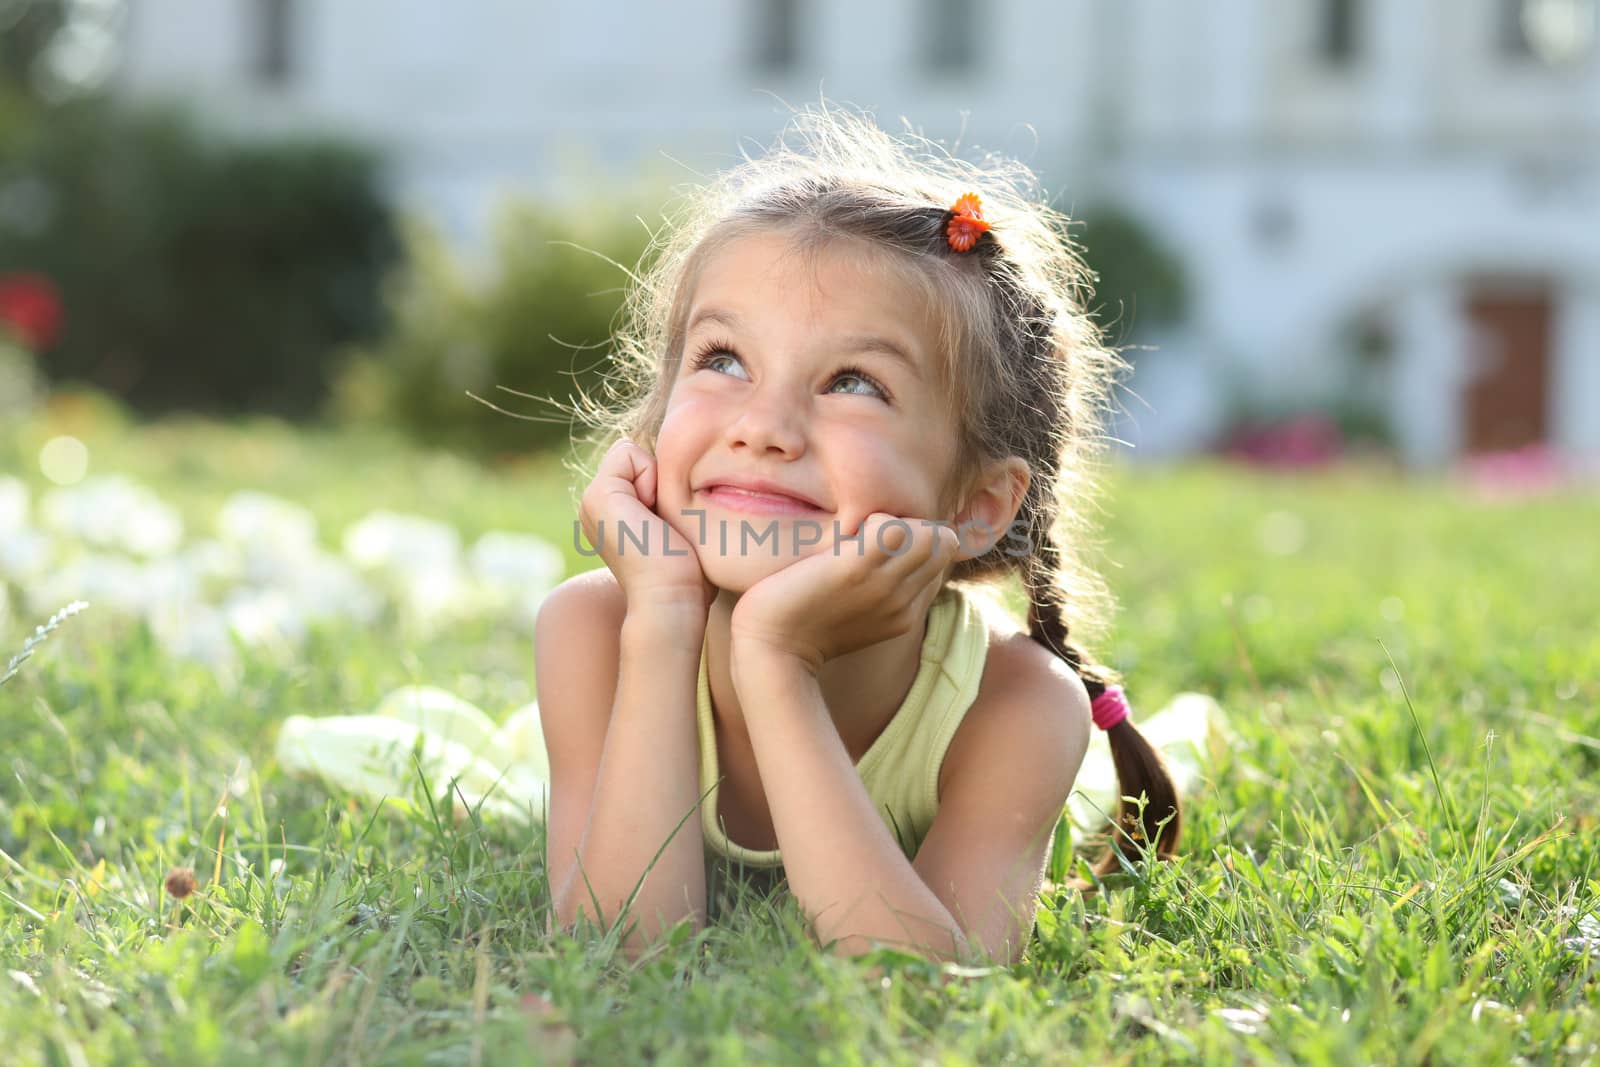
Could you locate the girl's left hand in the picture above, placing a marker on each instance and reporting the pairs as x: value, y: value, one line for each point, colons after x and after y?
x: 846, y: 597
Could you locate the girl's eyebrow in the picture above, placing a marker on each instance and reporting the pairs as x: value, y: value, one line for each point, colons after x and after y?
x: 849, y: 343
x: 882, y: 345
x: 712, y: 314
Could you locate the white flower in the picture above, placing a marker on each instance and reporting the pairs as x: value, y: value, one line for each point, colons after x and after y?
x: 250, y: 518
x: 264, y: 617
x: 516, y: 571
x: 501, y: 558
x: 215, y: 566
x: 378, y: 755
x: 385, y: 540
x: 110, y: 511
x: 23, y: 554
x: 112, y: 583
x: 323, y: 587
x: 430, y: 599
x: 13, y: 504
x: 194, y: 631
x: 442, y: 714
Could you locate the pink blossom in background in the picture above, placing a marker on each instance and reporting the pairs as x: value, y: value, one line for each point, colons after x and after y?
x: 1310, y: 440
x: 1531, y: 470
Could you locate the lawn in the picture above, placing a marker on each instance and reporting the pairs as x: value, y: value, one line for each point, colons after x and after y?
x: 1393, y: 859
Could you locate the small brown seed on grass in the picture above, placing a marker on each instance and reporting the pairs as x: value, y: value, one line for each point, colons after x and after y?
x: 180, y: 882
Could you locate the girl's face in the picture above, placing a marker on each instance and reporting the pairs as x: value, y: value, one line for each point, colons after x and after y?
x: 810, y: 377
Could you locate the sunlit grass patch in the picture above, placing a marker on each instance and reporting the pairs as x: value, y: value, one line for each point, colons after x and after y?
x: 1393, y: 859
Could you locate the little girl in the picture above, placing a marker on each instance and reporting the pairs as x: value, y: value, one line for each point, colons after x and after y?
x: 865, y: 383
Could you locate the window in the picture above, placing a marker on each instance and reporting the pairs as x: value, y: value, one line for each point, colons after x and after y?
x: 1552, y: 32
x: 950, y: 36
x: 1337, y: 32
x: 274, y: 32
x: 777, y: 31
x: 1513, y: 36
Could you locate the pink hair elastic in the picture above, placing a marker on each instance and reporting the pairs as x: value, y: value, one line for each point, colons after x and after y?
x: 1110, y: 707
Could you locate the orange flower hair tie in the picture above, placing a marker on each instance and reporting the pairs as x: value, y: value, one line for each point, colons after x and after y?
x: 966, y: 222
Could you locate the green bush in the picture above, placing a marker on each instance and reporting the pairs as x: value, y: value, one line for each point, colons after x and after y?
x: 539, y: 323
x: 1141, y: 282
x: 196, y: 272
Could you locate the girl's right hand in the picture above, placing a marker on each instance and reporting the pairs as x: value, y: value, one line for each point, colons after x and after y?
x: 623, y: 494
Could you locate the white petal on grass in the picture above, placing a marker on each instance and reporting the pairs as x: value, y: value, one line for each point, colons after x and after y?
x: 521, y: 740
x: 13, y: 504
x: 216, y: 566
x: 386, y: 540
x: 515, y: 571
x: 110, y: 511
x: 265, y: 618
x: 442, y: 714
x: 377, y: 756
x: 1242, y: 1020
x: 431, y: 599
x: 25, y: 554
x: 111, y: 583
x: 324, y: 588
x: 267, y: 525
x: 194, y: 631
x: 516, y: 559
x: 1181, y: 732
x: 26, y: 981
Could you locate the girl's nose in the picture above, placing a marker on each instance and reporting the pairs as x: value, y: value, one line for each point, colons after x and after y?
x: 769, y: 423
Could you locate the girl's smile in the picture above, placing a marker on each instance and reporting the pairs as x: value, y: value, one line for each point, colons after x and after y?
x: 757, y: 502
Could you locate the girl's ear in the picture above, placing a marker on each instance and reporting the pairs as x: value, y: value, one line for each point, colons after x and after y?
x: 991, y: 505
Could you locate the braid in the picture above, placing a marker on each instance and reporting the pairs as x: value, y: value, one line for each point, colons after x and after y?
x: 1140, y: 771
x: 1047, y: 623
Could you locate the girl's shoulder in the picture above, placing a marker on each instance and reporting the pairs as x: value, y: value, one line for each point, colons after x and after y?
x: 589, y: 599
x: 577, y: 633
x: 1028, y: 697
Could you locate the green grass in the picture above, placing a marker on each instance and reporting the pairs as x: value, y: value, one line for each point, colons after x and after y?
x: 1363, y: 880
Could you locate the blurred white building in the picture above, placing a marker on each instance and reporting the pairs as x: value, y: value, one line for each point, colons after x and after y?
x: 1383, y: 202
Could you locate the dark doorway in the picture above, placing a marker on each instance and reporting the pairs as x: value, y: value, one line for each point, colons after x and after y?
x: 1507, y: 396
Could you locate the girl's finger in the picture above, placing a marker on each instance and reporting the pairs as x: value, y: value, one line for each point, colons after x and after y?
x: 889, y: 536
x: 627, y: 462
x: 645, y: 479
x: 940, y: 547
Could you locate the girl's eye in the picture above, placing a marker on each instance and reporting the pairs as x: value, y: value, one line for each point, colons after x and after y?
x: 871, y: 387
x: 713, y: 358
x: 720, y: 359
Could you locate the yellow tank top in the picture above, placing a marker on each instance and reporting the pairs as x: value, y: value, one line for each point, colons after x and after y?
x: 901, y: 768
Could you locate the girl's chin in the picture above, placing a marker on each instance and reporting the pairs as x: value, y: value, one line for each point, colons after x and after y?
x: 736, y: 574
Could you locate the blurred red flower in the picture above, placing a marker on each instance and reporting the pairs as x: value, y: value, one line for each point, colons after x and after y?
x: 30, y: 306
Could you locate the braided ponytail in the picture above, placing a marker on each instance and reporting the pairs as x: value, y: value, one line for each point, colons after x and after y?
x: 1139, y: 767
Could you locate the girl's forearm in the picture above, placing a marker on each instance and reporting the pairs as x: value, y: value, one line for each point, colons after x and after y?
x: 843, y: 866
x: 646, y: 783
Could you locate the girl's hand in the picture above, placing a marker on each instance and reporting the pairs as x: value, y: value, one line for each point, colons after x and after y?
x: 848, y: 597
x: 623, y: 494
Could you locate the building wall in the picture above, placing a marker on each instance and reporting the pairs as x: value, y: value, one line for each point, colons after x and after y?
x: 1303, y: 193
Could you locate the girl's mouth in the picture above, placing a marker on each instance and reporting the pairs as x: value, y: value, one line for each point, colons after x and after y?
x: 752, y: 502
